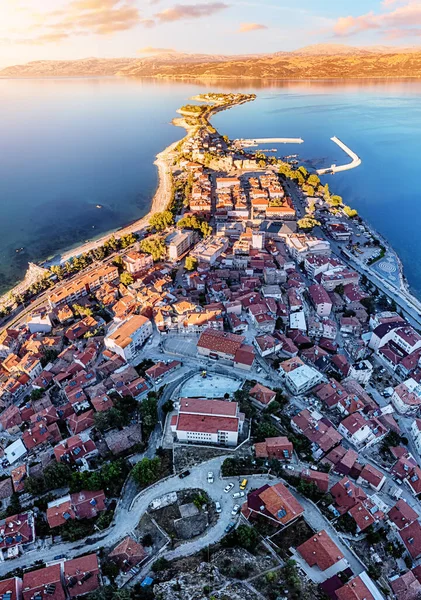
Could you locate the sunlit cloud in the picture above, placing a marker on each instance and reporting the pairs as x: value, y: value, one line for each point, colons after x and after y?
x: 152, y: 50
x: 247, y: 27
x: 189, y: 11
x: 402, y: 20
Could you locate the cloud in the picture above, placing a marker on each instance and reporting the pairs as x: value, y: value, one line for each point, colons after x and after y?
x: 152, y: 50
x: 402, y: 20
x: 189, y: 11
x: 246, y: 27
x: 82, y: 17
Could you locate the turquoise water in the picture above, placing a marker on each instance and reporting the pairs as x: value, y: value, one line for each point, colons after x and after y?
x: 67, y: 145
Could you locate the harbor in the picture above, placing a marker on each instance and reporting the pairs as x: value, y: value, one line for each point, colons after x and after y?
x: 356, y: 160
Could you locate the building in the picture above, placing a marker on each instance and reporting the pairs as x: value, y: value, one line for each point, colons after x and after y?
x: 207, y: 422
x: 209, y: 249
x: 318, y: 430
x: 11, y: 589
x: 359, y: 588
x: 274, y: 502
x: 17, y: 530
x: 135, y: 262
x: 262, y: 395
x: 411, y: 537
x: 415, y: 431
x: 402, y: 514
x: 299, y: 245
x: 372, y: 477
x: 73, y: 449
x: 85, y: 504
x: 322, y: 555
x: 406, y: 587
x: 128, y: 337
x: 128, y: 554
x: 83, y: 285
x: 320, y: 300
x: 81, y: 575
x: 43, y: 584
x: 300, y: 379
x: 279, y: 448
x: 361, y: 371
x: 406, y: 397
x: 230, y: 347
x: 39, y: 322
x: 356, y: 430
x: 332, y: 278
x: 179, y: 242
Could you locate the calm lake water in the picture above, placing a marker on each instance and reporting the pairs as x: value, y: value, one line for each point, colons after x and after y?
x: 68, y: 145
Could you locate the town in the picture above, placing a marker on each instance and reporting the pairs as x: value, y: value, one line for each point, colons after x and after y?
x: 222, y: 404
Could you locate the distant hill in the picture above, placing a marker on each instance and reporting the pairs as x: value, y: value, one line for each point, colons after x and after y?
x: 320, y: 61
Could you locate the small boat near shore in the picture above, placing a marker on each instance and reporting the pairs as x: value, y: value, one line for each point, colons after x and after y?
x: 99, y: 206
x: 19, y: 250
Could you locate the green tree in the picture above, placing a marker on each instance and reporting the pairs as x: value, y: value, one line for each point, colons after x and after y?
x: 126, y: 278
x: 191, y: 263
x: 147, y: 470
x: 350, y: 212
x: 307, y: 223
x: 156, y: 247
x: 57, y: 270
x: 313, y: 180
x: 149, y: 413
x: 162, y: 220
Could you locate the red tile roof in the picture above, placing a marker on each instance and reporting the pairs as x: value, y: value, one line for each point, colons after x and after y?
x: 276, y: 502
x: 128, y: 553
x: 401, y: 514
x: 44, y: 582
x: 220, y: 341
x: 81, y: 575
x: 411, y: 537
x: 206, y: 424
x: 320, y: 551
x: 355, y: 589
x: 262, y: 394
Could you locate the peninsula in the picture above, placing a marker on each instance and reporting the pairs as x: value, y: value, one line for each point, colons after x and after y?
x: 220, y: 400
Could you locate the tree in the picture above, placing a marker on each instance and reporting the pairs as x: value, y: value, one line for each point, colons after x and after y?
x: 126, y: 278
x: 156, y: 247
x: 313, y: 180
x: 307, y: 223
x: 247, y: 537
x: 149, y: 412
x: 350, y: 212
x: 147, y: 470
x: 162, y: 220
x: 58, y: 271
x: 264, y: 430
x: 160, y: 564
x: 191, y: 263
x: 335, y: 200
x: 80, y: 310
x: 168, y: 406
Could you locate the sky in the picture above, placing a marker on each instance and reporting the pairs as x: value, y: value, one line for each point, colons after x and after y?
x: 70, y: 29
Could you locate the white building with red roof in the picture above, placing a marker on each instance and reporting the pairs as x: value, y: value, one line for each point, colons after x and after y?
x: 207, y: 421
x: 406, y: 397
x: 320, y: 300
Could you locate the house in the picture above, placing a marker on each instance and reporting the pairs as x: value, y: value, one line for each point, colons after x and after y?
x: 128, y: 554
x: 261, y: 395
x: 209, y: 249
x: 81, y: 422
x: 402, y: 514
x: 356, y: 430
x: 15, y: 451
x: 274, y: 502
x: 119, y: 441
x: 320, y: 479
x: 361, y: 371
x: 276, y: 447
x: 219, y: 344
x: 11, y: 589
x: 18, y: 530
x: 322, y: 555
x: 81, y: 575
x: 43, y: 584
x: 179, y: 242
x: 331, y: 393
x: 127, y: 338
x: 135, y: 262
x: 406, y: 587
x: 160, y: 369
x: 207, y: 421
x: 85, y: 504
x: 267, y: 344
x: 406, y: 397
x: 359, y: 588
x: 318, y: 430
x: 299, y: 378
x: 19, y: 474
x: 415, y: 431
x: 411, y: 537
x: 73, y: 449
x: 320, y: 300
x: 372, y: 477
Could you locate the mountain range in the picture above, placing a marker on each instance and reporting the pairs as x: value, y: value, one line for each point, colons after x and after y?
x: 320, y: 61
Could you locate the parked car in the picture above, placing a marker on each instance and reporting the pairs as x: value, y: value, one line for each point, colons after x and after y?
x: 229, y: 527
x: 235, y: 509
x: 238, y: 495
x: 218, y: 507
x: 228, y: 488
x: 314, y: 468
x: 243, y: 484
x: 210, y: 477
x: 184, y: 474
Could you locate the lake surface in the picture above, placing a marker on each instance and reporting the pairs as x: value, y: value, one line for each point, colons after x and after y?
x: 68, y: 145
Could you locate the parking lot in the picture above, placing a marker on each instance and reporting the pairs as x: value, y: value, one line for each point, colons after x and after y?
x: 181, y: 345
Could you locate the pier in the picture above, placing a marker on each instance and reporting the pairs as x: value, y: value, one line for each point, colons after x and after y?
x: 356, y: 160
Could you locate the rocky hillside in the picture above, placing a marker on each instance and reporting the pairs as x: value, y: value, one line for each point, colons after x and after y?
x: 325, y: 61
